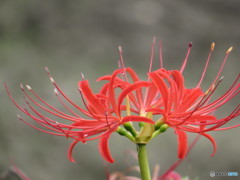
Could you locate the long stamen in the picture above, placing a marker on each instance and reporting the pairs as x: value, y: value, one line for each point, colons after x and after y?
x: 206, y: 65
x: 231, y: 93
x: 119, y: 67
x: 39, y: 121
x: 150, y: 66
x: 224, y: 61
x: 64, y: 95
x: 56, y: 113
x: 210, y: 91
x: 234, y: 113
x: 34, y: 127
x: 121, y: 56
x: 122, y: 61
x: 12, y: 99
x: 152, y: 54
x: 44, y: 120
x: 220, y: 102
x: 208, y: 94
x: 83, y: 77
x: 61, y: 129
x: 61, y: 101
x: 204, y: 99
x: 160, y: 54
x: 220, y: 123
x: 186, y: 58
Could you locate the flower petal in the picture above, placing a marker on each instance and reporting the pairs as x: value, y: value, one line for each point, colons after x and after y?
x: 104, y: 149
x: 111, y: 93
x: 129, y: 89
x: 70, y: 150
x: 162, y: 87
x: 91, y: 98
x: 182, y: 143
x: 137, y: 119
x: 212, y: 141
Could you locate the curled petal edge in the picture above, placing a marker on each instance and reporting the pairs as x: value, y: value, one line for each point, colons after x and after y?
x: 104, y: 149
x: 182, y: 143
x: 212, y: 141
x: 70, y: 151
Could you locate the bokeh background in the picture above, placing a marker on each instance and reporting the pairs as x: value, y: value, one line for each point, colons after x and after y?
x: 73, y: 37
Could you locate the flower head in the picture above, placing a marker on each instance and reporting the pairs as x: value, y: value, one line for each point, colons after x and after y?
x: 100, y: 117
x: 192, y: 110
x: 125, y: 98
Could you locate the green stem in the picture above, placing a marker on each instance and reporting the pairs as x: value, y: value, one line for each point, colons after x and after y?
x: 143, y: 162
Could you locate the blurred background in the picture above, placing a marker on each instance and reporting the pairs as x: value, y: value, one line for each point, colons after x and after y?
x: 73, y: 37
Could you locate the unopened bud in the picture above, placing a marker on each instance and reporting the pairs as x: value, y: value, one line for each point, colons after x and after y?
x: 159, y: 123
x: 128, y: 126
x: 123, y: 132
x: 164, y: 127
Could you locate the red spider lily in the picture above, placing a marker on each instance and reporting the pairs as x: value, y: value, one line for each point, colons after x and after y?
x: 191, y: 110
x: 184, y: 109
x: 125, y: 98
x: 103, y: 111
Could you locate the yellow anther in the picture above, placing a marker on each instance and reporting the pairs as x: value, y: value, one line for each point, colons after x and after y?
x: 212, y: 46
x: 229, y: 50
x: 207, y: 91
x: 210, y: 89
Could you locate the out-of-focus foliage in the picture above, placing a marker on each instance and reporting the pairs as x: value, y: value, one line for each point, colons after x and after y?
x: 71, y: 37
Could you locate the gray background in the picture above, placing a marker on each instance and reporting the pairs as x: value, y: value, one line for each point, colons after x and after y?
x: 73, y: 36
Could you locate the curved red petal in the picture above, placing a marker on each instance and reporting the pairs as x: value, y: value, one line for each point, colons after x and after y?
x: 70, y: 150
x: 132, y: 74
x: 135, y: 78
x: 111, y: 93
x: 178, y: 78
x: 182, y: 143
x: 104, y: 149
x: 129, y: 89
x: 90, y: 97
x: 162, y: 87
x: 137, y: 119
x: 212, y: 141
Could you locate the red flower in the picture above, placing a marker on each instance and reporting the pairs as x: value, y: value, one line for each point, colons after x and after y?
x: 125, y: 98
x: 103, y: 111
x: 191, y: 110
